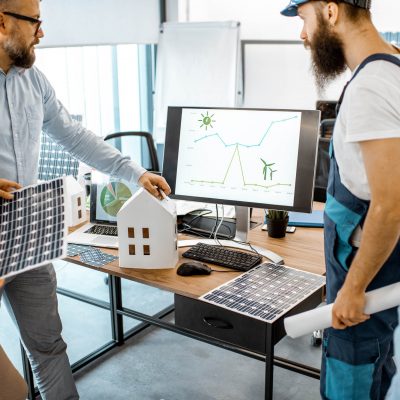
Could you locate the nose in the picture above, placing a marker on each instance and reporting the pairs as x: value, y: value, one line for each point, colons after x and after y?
x: 303, y: 34
x: 40, y: 33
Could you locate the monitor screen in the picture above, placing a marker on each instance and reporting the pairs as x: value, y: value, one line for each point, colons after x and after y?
x: 246, y: 157
x: 107, y: 196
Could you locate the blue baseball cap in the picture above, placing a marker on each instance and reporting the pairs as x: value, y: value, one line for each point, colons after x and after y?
x: 291, y: 9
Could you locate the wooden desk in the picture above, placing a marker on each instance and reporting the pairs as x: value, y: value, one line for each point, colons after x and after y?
x: 302, y: 249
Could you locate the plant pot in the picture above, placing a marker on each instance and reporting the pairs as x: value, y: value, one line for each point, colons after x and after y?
x: 277, y: 227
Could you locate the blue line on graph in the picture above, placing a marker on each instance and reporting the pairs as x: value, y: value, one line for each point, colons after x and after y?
x: 246, y: 145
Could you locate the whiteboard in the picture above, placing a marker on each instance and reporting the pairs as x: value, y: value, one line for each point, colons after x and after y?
x: 278, y: 75
x: 198, y: 64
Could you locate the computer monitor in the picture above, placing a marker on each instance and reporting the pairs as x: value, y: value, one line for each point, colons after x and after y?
x: 259, y: 158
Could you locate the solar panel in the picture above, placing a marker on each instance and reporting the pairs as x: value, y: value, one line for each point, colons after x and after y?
x: 54, y: 161
x: 266, y: 292
x: 32, y: 227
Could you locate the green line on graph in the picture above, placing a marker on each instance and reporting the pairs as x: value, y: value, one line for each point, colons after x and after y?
x: 243, y: 177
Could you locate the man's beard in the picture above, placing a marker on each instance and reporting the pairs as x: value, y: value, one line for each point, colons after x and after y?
x: 327, y: 50
x: 20, y: 53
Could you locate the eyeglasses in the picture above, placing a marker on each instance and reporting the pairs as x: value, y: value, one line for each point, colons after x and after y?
x: 32, y: 20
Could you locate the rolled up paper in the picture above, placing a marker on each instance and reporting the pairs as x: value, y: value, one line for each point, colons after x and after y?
x: 321, y: 318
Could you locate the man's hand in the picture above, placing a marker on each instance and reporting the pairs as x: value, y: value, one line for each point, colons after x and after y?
x: 152, y: 182
x: 348, y: 309
x: 6, y: 187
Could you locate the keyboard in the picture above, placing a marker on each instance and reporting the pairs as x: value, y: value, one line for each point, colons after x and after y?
x: 221, y: 256
x: 103, y: 230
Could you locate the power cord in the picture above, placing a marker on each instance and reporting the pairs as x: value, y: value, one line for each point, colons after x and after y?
x: 189, y: 229
x: 188, y: 225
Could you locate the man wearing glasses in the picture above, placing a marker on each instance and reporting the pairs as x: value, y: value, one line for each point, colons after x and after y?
x: 28, y: 105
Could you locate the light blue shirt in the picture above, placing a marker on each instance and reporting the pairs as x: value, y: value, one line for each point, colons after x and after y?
x: 28, y: 105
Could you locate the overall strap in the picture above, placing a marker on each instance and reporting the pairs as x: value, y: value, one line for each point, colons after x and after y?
x: 374, y: 57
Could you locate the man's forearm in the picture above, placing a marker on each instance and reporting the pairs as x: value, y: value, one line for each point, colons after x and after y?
x: 380, y: 235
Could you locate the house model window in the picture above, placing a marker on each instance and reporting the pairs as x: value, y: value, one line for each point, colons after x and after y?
x: 74, y: 202
x: 146, y: 249
x: 132, y: 250
x: 131, y: 233
x: 145, y: 232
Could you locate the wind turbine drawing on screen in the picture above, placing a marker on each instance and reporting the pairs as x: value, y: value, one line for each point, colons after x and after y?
x: 267, y: 167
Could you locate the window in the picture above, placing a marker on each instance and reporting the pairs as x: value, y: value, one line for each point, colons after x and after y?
x: 146, y: 250
x: 102, y: 85
x: 131, y: 233
x: 146, y: 233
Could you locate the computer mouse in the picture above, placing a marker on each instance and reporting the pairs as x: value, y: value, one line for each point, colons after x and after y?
x: 193, y: 268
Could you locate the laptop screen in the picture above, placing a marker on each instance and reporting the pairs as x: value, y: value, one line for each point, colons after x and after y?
x: 107, y: 198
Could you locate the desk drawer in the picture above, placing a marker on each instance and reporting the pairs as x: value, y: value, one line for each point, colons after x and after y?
x: 220, y: 323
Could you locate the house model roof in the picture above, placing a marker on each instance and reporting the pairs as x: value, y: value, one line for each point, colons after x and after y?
x: 72, y: 186
x: 166, y: 204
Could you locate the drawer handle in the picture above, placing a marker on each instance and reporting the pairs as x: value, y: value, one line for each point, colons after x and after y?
x: 217, y: 323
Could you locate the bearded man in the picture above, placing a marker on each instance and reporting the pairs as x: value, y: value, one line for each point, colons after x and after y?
x: 362, y: 213
x: 29, y: 105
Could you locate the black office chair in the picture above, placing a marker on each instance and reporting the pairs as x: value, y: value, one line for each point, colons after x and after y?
x: 139, y: 146
x: 323, y: 160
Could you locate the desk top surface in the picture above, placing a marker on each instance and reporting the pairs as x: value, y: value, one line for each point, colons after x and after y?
x: 303, y: 249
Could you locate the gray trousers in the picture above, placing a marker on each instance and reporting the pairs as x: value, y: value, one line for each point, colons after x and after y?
x: 32, y: 302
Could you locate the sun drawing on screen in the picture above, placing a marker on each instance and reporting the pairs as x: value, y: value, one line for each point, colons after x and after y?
x: 206, y: 121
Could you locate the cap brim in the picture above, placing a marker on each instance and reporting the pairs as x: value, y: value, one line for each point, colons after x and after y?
x: 290, y: 11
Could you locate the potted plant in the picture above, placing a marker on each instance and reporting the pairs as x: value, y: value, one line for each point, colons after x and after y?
x: 277, y: 221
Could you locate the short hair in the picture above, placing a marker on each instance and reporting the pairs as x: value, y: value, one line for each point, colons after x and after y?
x: 353, y: 13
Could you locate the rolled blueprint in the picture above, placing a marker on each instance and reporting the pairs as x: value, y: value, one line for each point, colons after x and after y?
x: 321, y: 318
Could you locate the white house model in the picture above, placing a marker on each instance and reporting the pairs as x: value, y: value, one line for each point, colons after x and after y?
x: 147, y: 232
x: 75, y: 202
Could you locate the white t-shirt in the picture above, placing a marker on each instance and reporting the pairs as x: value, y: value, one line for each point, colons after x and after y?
x: 370, y: 111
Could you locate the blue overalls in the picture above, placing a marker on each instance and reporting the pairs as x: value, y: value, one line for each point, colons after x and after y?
x: 357, y: 363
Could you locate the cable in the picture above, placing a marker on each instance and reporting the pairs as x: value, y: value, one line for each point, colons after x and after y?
x: 217, y: 270
x: 219, y: 226
x: 247, y: 244
x: 189, y: 224
x: 216, y: 222
x: 189, y: 229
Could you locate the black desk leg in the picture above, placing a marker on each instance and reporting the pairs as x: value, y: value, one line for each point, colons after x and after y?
x: 269, y: 364
x: 28, y: 375
x: 117, y: 326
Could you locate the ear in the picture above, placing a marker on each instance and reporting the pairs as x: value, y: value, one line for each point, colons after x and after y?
x: 332, y: 12
x: 2, y: 24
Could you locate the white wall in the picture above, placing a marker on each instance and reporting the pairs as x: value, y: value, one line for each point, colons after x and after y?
x: 97, y: 22
x: 276, y: 76
x: 261, y: 19
x: 385, y: 14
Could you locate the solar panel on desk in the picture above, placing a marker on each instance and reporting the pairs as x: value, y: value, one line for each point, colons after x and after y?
x: 32, y: 227
x: 266, y: 292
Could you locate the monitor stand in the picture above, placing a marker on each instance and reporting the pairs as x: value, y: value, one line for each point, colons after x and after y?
x: 242, y: 230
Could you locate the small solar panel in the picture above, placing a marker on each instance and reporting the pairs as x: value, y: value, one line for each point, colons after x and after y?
x: 266, y: 292
x: 96, y: 257
x: 32, y: 227
x: 54, y: 161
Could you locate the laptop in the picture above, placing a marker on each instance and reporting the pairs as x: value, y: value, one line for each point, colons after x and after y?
x: 106, y: 199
